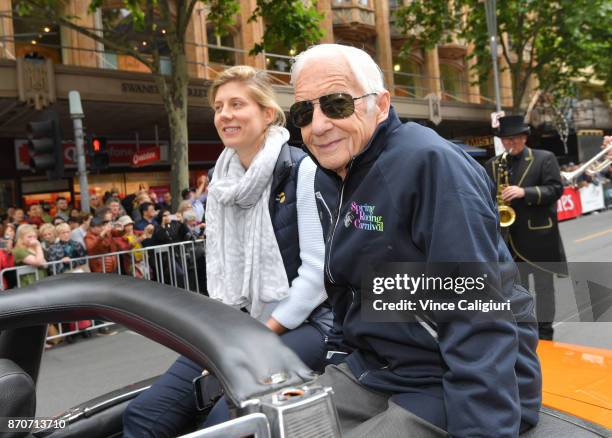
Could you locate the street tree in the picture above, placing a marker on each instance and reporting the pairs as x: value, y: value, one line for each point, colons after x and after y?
x: 554, y: 42
x: 144, y: 29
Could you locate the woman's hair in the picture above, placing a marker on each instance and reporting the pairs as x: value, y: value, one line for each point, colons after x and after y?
x: 258, y: 82
x: 22, y: 231
x: 184, y: 206
x: 62, y: 227
x: 189, y: 215
x: 44, y: 228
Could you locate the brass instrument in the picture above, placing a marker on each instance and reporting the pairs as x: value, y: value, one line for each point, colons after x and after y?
x: 507, y: 215
x: 596, y: 164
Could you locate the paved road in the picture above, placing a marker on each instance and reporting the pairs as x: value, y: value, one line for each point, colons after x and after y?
x: 588, y: 244
x: 74, y: 373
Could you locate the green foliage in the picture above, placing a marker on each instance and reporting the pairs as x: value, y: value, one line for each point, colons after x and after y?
x: 557, y: 42
x: 288, y: 22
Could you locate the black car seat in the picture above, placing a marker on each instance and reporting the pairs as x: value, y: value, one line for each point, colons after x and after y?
x: 554, y: 423
x: 17, y: 395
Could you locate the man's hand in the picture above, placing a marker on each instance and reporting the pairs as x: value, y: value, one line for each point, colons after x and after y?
x: 275, y: 326
x: 106, y: 230
x: 513, y: 192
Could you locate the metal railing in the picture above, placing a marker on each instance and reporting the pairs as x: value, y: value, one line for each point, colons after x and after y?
x: 180, y: 265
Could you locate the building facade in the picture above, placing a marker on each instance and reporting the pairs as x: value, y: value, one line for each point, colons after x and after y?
x: 121, y: 100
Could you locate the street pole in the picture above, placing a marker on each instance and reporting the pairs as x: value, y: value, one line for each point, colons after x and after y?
x: 76, y: 113
x: 492, y: 29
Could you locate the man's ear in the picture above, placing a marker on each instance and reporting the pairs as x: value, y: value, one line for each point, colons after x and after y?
x: 383, y: 103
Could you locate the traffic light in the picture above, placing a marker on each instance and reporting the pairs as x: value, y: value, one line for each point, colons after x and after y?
x: 98, y: 155
x: 45, y: 147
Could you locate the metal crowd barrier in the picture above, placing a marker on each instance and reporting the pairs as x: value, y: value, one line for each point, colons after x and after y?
x: 180, y: 265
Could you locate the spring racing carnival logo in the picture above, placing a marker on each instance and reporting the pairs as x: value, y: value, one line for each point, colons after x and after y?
x: 363, y: 217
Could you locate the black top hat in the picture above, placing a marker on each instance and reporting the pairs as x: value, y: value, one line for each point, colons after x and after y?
x: 512, y: 125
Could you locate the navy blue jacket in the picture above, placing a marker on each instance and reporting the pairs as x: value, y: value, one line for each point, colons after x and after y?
x: 432, y: 203
x: 283, y: 207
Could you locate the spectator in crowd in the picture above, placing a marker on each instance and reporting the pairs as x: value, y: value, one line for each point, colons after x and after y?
x: 199, y: 198
x: 78, y: 234
x: 95, y: 202
x: 47, y: 237
x: 114, y: 204
x: 74, y: 222
x: 29, y: 251
x: 75, y: 212
x: 98, y: 241
x: 192, y: 229
x: 61, y: 208
x: 10, y: 232
x: 148, y: 213
x: 249, y: 227
x: 141, y: 198
x: 105, y: 213
x: 166, y: 202
x: 153, y: 197
x: 65, y: 249
x: 35, y: 215
x: 6, y: 257
x: 58, y: 220
x: 188, y: 194
x: 19, y: 216
x: 10, y: 212
x: 182, y: 208
x: 133, y: 241
x: 168, y: 230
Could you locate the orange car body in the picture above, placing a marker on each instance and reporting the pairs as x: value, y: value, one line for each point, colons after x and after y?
x: 577, y: 380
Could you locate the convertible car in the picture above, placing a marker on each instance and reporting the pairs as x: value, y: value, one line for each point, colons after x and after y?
x: 273, y: 393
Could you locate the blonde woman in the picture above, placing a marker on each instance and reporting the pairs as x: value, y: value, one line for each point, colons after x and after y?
x: 47, y: 237
x: 260, y: 207
x: 28, y: 251
x: 65, y: 249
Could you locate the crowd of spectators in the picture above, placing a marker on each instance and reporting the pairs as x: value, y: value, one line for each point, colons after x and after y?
x: 57, y: 240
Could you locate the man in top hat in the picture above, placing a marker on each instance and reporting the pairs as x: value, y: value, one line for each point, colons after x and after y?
x: 533, y: 238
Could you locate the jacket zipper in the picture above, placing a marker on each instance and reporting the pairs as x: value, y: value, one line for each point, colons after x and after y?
x: 366, y: 372
x: 331, y: 238
x: 319, y: 196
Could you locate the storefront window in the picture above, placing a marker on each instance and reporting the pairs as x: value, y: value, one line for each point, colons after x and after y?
x: 408, y: 78
x: 452, y: 83
x: 36, y: 40
x: 220, y: 56
x: 118, y: 25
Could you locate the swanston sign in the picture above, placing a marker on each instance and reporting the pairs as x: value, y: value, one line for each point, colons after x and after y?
x: 141, y: 88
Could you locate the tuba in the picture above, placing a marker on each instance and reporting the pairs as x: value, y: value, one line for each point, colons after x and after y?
x: 507, y: 215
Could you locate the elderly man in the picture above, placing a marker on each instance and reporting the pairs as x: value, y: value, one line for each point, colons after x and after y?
x: 425, y: 201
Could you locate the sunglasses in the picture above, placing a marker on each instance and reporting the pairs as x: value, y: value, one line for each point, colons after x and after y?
x: 334, y: 106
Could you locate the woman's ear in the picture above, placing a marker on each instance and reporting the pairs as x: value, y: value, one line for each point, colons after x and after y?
x: 269, y: 115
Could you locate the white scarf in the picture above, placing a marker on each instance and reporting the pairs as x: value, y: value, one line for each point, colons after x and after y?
x: 244, y: 266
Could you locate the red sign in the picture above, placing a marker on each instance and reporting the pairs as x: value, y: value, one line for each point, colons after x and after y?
x: 146, y: 156
x: 120, y: 153
x: 569, y: 205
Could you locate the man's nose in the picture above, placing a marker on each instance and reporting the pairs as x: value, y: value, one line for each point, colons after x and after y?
x: 320, y: 122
